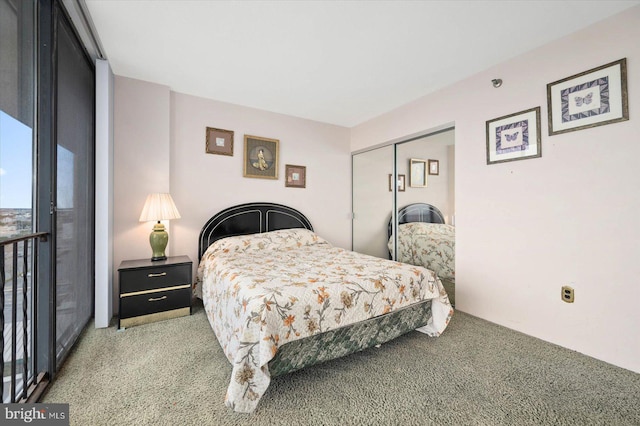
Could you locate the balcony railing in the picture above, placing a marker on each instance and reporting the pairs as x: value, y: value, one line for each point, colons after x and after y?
x: 17, y: 315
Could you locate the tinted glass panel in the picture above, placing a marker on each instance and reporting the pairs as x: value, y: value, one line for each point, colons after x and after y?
x: 16, y: 192
x: 74, y: 188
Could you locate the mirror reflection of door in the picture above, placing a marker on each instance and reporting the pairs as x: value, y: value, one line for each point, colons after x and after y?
x: 423, y: 244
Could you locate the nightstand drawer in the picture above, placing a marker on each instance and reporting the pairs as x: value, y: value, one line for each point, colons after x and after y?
x: 153, y: 302
x: 154, y: 278
x: 154, y: 290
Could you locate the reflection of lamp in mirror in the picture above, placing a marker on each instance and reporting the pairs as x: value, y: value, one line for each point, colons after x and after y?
x: 159, y: 207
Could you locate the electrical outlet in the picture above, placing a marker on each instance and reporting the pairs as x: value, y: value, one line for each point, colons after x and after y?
x: 567, y: 294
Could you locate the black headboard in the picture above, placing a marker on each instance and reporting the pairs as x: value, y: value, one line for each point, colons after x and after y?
x: 417, y: 212
x: 249, y: 218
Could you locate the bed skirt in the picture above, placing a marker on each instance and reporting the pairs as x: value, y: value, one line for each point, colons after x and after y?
x: 346, y: 340
x: 450, y: 286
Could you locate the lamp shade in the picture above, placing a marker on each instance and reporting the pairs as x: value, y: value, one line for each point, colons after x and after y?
x: 159, y: 207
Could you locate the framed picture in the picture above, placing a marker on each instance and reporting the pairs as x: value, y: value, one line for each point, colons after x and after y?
x: 514, y: 137
x: 592, y: 98
x: 418, y: 176
x: 296, y: 176
x: 401, y: 183
x: 260, y: 157
x: 219, y: 141
x: 434, y: 167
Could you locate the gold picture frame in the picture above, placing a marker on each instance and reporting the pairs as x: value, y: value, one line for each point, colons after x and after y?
x: 219, y: 141
x: 418, y: 173
x: 295, y: 176
x: 260, y: 157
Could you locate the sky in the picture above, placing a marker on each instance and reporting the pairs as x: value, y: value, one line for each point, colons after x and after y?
x: 16, y: 163
x: 16, y: 167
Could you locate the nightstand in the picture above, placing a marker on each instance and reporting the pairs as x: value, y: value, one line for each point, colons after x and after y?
x: 154, y: 290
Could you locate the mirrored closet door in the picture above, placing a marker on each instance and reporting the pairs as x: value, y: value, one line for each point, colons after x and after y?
x: 418, y: 215
x: 372, y: 200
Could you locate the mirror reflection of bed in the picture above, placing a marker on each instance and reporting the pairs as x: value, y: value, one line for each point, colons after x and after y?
x: 424, y: 239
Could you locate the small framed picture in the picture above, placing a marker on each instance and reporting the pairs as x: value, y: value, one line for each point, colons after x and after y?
x: 219, y: 141
x: 296, y: 176
x: 401, y: 183
x: 418, y: 173
x: 434, y: 167
x: 591, y: 98
x: 260, y: 157
x: 514, y: 137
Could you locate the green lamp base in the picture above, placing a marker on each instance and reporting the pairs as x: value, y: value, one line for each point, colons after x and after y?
x: 158, y: 240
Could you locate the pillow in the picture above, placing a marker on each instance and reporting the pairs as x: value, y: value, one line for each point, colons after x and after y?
x: 416, y: 228
x: 283, y: 239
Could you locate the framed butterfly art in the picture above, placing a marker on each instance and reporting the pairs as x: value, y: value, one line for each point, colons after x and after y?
x: 514, y: 137
x: 592, y: 98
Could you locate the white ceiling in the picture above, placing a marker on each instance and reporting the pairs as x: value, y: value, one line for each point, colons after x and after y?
x: 339, y: 62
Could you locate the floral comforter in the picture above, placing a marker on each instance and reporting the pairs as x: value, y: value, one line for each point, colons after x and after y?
x: 431, y: 245
x: 261, y: 291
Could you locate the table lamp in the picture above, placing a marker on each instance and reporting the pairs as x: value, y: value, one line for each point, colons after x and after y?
x: 159, y: 207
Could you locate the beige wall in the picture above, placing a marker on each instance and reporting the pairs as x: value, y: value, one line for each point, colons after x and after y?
x: 141, y: 164
x: 526, y: 228
x: 160, y: 147
x: 203, y: 184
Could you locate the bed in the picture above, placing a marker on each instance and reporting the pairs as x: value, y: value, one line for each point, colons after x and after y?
x: 425, y: 240
x: 280, y: 298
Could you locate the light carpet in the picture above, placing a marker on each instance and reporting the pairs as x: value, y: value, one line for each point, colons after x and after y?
x: 477, y: 373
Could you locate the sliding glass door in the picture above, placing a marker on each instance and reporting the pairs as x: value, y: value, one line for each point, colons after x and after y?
x: 17, y: 130
x: 74, y: 170
x: 46, y: 193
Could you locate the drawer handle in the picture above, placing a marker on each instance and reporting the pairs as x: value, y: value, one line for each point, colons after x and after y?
x: 156, y: 299
x: 162, y: 274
